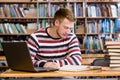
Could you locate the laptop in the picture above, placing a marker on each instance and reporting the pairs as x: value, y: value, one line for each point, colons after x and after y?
x: 18, y: 57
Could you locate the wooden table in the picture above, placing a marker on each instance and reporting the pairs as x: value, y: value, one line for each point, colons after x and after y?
x: 20, y: 74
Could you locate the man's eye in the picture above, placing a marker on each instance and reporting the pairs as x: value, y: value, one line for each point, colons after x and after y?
x: 66, y: 27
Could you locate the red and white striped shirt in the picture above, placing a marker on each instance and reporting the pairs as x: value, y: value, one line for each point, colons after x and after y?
x: 63, y: 51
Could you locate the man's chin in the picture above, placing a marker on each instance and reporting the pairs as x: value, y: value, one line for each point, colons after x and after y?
x: 63, y: 36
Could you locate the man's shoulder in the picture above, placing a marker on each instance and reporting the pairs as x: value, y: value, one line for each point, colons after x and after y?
x: 72, y: 35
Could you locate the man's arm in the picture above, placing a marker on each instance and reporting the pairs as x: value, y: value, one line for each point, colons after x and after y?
x: 74, y: 54
x: 33, y: 48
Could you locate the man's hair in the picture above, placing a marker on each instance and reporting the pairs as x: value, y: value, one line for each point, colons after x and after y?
x: 63, y: 13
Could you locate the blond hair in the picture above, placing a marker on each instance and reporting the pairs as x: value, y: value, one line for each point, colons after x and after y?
x: 63, y: 13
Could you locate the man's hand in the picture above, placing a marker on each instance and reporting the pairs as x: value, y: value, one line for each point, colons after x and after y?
x: 50, y: 65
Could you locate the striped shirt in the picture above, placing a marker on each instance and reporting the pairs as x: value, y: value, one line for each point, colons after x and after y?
x: 63, y: 51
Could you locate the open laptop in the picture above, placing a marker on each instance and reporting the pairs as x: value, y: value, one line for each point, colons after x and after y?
x: 18, y: 57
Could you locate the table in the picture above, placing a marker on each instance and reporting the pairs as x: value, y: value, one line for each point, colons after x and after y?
x: 11, y: 74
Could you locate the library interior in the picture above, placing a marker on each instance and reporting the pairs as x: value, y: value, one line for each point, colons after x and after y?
x: 96, y: 29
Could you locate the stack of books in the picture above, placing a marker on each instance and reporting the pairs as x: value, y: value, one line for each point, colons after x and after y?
x: 113, y: 48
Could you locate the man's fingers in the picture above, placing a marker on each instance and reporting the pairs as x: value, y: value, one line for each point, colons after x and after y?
x: 50, y: 65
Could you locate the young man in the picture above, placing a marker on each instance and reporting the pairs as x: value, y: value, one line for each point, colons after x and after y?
x: 56, y: 45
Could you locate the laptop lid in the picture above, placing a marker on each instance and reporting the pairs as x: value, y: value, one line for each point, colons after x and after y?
x: 18, y: 57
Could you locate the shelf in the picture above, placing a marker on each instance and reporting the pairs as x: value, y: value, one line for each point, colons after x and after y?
x: 97, y: 18
x: 21, y: 19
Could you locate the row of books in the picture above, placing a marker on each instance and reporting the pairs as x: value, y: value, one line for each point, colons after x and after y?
x: 11, y: 28
x: 45, y: 10
x: 106, y: 10
x: 17, y: 10
x: 16, y: 28
x: 96, y: 44
x: 93, y: 43
x: 48, y: 10
x: 103, y: 26
x: 113, y: 48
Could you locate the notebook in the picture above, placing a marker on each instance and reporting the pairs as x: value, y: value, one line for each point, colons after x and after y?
x: 77, y: 68
x: 18, y: 57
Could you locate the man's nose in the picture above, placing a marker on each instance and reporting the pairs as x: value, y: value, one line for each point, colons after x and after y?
x: 68, y: 31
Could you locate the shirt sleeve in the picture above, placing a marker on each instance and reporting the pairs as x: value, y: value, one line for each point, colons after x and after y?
x: 74, y: 54
x: 33, y: 49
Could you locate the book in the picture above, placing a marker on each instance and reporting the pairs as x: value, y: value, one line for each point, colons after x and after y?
x: 114, y: 61
x: 114, y: 10
x: 114, y: 53
x: 9, y: 28
x: 14, y: 28
x: 113, y: 50
x: 1, y: 40
x: 2, y: 28
x: 76, y: 68
x: 20, y: 30
x: 101, y: 44
x: 80, y: 29
x: 114, y: 65
x: 23, y: 28
x: 73, y: 68
x: 115, y: 57
x: 113, y: 46
x: 112, y: 43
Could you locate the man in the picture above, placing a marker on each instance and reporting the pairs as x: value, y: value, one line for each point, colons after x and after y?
x: 56, y: 45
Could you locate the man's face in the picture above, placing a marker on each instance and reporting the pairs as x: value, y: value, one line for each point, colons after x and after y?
x: 64, y: 28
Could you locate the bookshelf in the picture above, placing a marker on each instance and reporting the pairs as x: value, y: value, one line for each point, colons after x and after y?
x: 36, y: 14
x: 101, y: 19
x: 16, y: 19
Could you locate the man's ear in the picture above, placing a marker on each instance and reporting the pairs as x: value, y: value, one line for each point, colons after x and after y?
x: 57, y: 22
